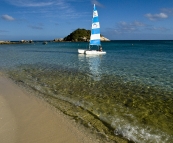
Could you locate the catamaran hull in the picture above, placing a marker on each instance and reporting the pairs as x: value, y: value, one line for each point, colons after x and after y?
x: 81, y: 51
x: 90, y: 52
x: 94, y: 52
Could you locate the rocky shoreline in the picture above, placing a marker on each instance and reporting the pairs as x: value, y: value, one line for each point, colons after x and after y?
x: 8, y: 42
x: 16, y: 42
x: 102, y: 38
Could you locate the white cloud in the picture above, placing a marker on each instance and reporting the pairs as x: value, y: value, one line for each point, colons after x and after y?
x: 124, y: 27
x: 96, y: 3
x: 36, y: 27
x: 152, y: 28
x: 168, y: 11
x: 49, y: 8
x: 61, y: 4
x: 7, y: 17
x: 31, y: 3
x: 137, y: 23
x: 154, y: 17
x: 136, y: 27
x: 38, y: 4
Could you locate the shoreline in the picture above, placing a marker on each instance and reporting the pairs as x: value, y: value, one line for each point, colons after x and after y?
x: 25, y: 118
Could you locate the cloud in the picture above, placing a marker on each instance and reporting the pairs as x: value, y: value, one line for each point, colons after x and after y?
x: 49, y: 8
x: 137, y: 23
x: 152, y: 28
x: 124, y: 27
x: 96, y: 3
x: 155, y: 17
x: 31, y: 3
x: 136, y: 27
x: 36, y: 27
x: 168, y: 11
x: 38, y: 4
x: 7, y: 17
x: 61, y: 4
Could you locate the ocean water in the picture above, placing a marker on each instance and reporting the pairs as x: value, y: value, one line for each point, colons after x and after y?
x: 130, y: 89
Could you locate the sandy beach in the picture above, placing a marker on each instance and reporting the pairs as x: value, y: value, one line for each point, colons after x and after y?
x: 26, y: 119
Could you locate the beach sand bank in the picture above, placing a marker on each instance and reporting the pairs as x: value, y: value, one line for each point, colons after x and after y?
x: 25, y: 118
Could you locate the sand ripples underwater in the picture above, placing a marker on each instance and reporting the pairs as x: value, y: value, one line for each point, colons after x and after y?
x: 133, y: 110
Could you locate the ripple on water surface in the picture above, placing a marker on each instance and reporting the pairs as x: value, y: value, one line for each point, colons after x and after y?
x: 131, y: 109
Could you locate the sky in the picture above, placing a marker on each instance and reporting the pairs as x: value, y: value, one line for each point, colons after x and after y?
x: 119, y: 19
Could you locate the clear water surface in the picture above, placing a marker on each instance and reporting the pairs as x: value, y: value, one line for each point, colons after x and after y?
x: 130, y: 88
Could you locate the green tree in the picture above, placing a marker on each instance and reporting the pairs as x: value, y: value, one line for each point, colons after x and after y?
x: 79, y: 35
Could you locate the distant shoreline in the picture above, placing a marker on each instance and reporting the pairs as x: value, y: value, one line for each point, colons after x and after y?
x: 58, y: 41
x: 19, y: 42
x: 8, y: 42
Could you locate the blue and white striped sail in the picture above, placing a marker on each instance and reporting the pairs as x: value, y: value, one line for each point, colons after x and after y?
x: 95, y: 31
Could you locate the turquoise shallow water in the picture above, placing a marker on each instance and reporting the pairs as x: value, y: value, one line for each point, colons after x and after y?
x: 130, y: 88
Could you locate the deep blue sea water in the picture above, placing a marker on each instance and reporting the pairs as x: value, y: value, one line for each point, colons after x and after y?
x: 133, y: 81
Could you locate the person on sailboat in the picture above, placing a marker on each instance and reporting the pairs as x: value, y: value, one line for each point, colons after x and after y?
x: 100, y: 48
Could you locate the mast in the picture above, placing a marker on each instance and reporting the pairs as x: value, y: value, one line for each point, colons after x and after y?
x: 95, y: 30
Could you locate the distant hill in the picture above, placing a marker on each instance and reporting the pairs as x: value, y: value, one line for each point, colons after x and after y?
x: 81, y: 35
x: 78, y: 35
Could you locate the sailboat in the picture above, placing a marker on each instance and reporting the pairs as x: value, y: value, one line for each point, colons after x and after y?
x: 95, y: 37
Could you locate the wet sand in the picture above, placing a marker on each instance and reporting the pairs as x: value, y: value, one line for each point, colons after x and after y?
x: 25, y: 118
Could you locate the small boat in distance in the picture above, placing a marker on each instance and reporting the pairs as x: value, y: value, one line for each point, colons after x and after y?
x: 95, y: 37
x: 44, y: 43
